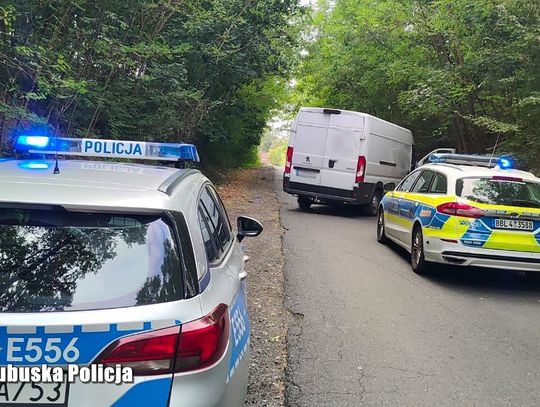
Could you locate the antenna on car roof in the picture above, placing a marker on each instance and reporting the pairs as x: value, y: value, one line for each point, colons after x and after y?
x: 494, y: 148
x: 56, y: 170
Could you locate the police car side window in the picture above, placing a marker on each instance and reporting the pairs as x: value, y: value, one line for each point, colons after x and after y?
x: 223, y: 211
x: 408, y: 182
x: 207, y: 238
x: 439, y: 184
x: 217, y: 225
x: 423, y: 183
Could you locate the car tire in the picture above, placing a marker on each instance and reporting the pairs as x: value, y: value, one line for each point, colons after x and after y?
x: 381, y: 233
x: 372, y: 208
x: 418, y: 261
x: 304, y: 203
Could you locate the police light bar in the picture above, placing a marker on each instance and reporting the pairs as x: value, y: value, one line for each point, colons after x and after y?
x: 139, y: 150
x: 471, y: 159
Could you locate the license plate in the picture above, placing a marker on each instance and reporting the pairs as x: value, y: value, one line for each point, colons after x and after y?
x: 34, y: 394
x: 307, y: 173
x: 514, y: 224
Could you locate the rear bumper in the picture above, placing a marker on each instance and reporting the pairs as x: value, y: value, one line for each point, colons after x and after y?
x: 360, y: 195
x: 457, y: 254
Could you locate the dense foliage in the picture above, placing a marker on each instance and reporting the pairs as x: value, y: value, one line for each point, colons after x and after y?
x: 202, y: 71
x: 463, y: 73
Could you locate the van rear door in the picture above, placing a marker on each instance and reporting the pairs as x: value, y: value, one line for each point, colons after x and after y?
x: 309, y: 144
x: 341, y: 150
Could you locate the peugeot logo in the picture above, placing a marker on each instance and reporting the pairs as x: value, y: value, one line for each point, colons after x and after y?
x: 308, y: 159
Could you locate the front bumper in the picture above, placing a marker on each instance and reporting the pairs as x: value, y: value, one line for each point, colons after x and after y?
x: 440, y: 251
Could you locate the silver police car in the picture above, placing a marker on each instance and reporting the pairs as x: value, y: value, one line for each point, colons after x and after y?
x: 111, y: 264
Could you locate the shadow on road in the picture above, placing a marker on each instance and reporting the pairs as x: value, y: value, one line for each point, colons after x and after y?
x: 476, y: 280
x: 488, y: 281
x: 343, y: 211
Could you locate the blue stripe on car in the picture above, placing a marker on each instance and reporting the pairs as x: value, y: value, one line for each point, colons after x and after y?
x: 239, y: 330
x: 153, y: 393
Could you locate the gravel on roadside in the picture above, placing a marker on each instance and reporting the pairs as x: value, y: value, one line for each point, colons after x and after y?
x: 250, y: 192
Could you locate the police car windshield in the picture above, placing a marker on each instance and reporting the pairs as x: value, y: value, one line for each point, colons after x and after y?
x: 500, y: 191
x: 62, y: 261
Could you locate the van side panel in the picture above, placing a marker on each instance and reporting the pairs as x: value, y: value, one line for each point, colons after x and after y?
x: 341, y: 151
x: 388, y: 150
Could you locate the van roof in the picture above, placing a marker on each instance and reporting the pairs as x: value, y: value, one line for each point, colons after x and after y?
x: 351, y: 113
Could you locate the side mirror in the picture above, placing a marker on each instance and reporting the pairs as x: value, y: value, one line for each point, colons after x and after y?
x: 389, y: 187
x: 248, y: 227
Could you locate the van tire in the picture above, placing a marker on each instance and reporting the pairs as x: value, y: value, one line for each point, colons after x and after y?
x: 304, y: 203
x: 372, y: 209
x: 418, y: 261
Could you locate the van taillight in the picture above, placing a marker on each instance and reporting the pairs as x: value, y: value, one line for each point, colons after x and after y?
x: 193, y: 346
x: 288, y: 160
x: 460, y: 209
x: 360, y: 170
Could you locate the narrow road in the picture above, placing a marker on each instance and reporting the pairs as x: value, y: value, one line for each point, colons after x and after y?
x: 370, y: 332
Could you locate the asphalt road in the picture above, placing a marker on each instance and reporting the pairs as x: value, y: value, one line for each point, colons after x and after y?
x: 370, y: 332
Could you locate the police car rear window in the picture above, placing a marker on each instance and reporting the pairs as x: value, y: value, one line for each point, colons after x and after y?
x: 500, y: 191
x: 62, y: 261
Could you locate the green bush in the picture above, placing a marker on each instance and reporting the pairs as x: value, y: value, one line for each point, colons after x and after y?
x: 278, y: 151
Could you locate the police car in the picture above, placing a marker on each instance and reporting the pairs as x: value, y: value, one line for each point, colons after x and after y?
x: 116, y: 264
x: 465, y: 210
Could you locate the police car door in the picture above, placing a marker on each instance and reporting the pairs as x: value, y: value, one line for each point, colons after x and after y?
x: 224, y: 282
x: 394, y: 222
x: 411, y: 203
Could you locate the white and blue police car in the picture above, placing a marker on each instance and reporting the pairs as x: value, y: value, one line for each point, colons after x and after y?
x: 120, y: 265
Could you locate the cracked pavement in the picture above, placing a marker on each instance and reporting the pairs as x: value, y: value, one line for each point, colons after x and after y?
x: 367, y: 331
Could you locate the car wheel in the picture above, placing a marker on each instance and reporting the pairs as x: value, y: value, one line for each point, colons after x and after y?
x: 418, y: 261
x: 381, y: 234
x: 304, y: 203
x: 372, y: 208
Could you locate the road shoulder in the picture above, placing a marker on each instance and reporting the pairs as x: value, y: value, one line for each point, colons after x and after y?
x: 250, y: 192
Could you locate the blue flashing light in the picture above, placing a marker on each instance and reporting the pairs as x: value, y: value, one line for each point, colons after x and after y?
x: 505, y: 163
x: 34, y: 166
x: 33, y: 141
x: 181, y: 152
x: 438, y: 158
x: 139, y: 150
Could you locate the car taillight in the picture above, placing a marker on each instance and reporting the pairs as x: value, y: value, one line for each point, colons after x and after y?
x: 288, y: 160
x: 203, y: 342
x: 193, y: 346
x: 360, y: 170
x: 460, y: 209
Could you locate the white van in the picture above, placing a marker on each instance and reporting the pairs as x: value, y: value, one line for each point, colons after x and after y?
x: 339, y: 156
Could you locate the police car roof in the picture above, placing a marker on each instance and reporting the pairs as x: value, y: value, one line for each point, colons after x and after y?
x: 90, y: 185
x: 460, y: 171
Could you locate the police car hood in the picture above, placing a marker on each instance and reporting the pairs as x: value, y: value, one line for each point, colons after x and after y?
x: 88, y: 185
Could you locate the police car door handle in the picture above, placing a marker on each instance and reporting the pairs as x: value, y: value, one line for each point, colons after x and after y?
x: 242, y: 275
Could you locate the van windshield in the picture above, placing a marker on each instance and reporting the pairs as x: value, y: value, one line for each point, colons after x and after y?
x: 62, y: 261
x: 500, y: 191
